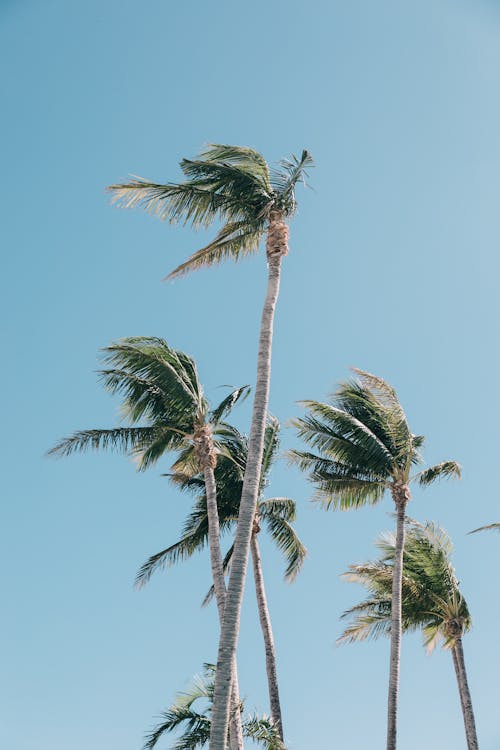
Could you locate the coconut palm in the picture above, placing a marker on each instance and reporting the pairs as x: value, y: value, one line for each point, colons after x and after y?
x: 365, y: 447
x: 276, y: 515
x: 235, y: 185
x: 431, y: 601
x: 164, y: 403
x: 194, y: 720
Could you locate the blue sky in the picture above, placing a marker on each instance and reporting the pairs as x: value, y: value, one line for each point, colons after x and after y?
x: 393, y: 268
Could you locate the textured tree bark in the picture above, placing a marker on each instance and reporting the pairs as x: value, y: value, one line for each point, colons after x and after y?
x: 465, y: 698
x: 267, y: 632
x: 276, y: 247
x: 207, y: 458
x: 401, y: 496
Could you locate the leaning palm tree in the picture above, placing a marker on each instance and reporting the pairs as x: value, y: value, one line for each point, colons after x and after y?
x: 163, y: 401
x: 276, y: 515
x: 194, y: 720
x: 431, y: 602
x: 365, y: 447
x: 232, y: 184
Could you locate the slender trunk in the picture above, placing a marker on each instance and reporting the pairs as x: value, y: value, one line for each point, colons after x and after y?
x: 276, y: 248
x: 267, y: 632
x: 207, y: 457
x: 401, y: 496
x: 465, y: 699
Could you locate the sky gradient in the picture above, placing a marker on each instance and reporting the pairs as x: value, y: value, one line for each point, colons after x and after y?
x: 393, y: 268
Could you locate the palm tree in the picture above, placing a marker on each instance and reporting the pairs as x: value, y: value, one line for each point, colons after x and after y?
x: 232, y: 184
x: 365, y: 447
x: 276, y: 514
x: 163, y: 401
x: 195, y: 722
x: 431, y: 601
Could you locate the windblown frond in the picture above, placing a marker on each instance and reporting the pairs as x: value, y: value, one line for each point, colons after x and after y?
x: 489, y: 527
x: 224, y: 408
x: 444, y: 469
x: 122, y: 439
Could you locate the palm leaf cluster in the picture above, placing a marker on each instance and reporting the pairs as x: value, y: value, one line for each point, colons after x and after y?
x: 431, y: 598
x: 162, y: 400
x: 361, y: 445
x: 275, y: 514
x: 231, y: 184
x: 190, y: 717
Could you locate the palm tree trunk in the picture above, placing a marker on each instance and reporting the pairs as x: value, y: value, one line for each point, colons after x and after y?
x: 267, y: 632
x: 401, y: 496
x: 276, y: 247
x: 235, y: 728
x: 465, y: 699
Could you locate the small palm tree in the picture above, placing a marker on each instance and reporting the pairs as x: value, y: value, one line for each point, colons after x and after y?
x: 276, y: 515
x: 195, y: 722
x: 365, y: 447
x: 163, y: 401
x: 234, y: 185
x: 431, y: 601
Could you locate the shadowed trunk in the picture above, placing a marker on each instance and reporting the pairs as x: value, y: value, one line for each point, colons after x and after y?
x: 267, y: 632
x: 276, y: 247
x: 401, y: 496
x: 207, y: 458
x: 465, y: 699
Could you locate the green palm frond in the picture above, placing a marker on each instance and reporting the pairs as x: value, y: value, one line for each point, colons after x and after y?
x: 122, y: 439
x: 271, y: 447
x: 444, y: 469
x: 277, y: 514
x: 285, y: 177
x: 224, y: 408
x: 489, y: 527
x: 235, y: 240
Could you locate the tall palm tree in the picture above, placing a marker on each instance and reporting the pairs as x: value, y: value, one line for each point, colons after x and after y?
x: 187, y: 714
x: 276, y: 515
x: 235, y: 185
x: 431, y: 602
x: 166, y: 408
x: 365, y: 447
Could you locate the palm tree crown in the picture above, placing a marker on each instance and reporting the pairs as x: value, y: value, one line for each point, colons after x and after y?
x: 233, y: 184
x: 164, y: 403
x: 191, y: 713
x: 364, y: 446
x: 431, y: 600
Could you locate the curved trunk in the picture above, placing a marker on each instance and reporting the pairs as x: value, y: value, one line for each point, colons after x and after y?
x: 267, y: 632
x: 276, y: 248
x: 401, y: 496
x: 235, y: 729
x: 465, y: 699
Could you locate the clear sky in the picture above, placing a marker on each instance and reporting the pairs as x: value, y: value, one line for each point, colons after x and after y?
x: 393, y: 268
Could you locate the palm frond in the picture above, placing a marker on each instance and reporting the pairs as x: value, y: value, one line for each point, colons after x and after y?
x: 284, y: 535
x: 285, y: 177
x: 444, y: 469
x: 226, y: 405
x: 190, y: 202
x: 489, y: 527
x: 234, y: 241
x: 122, y: 439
